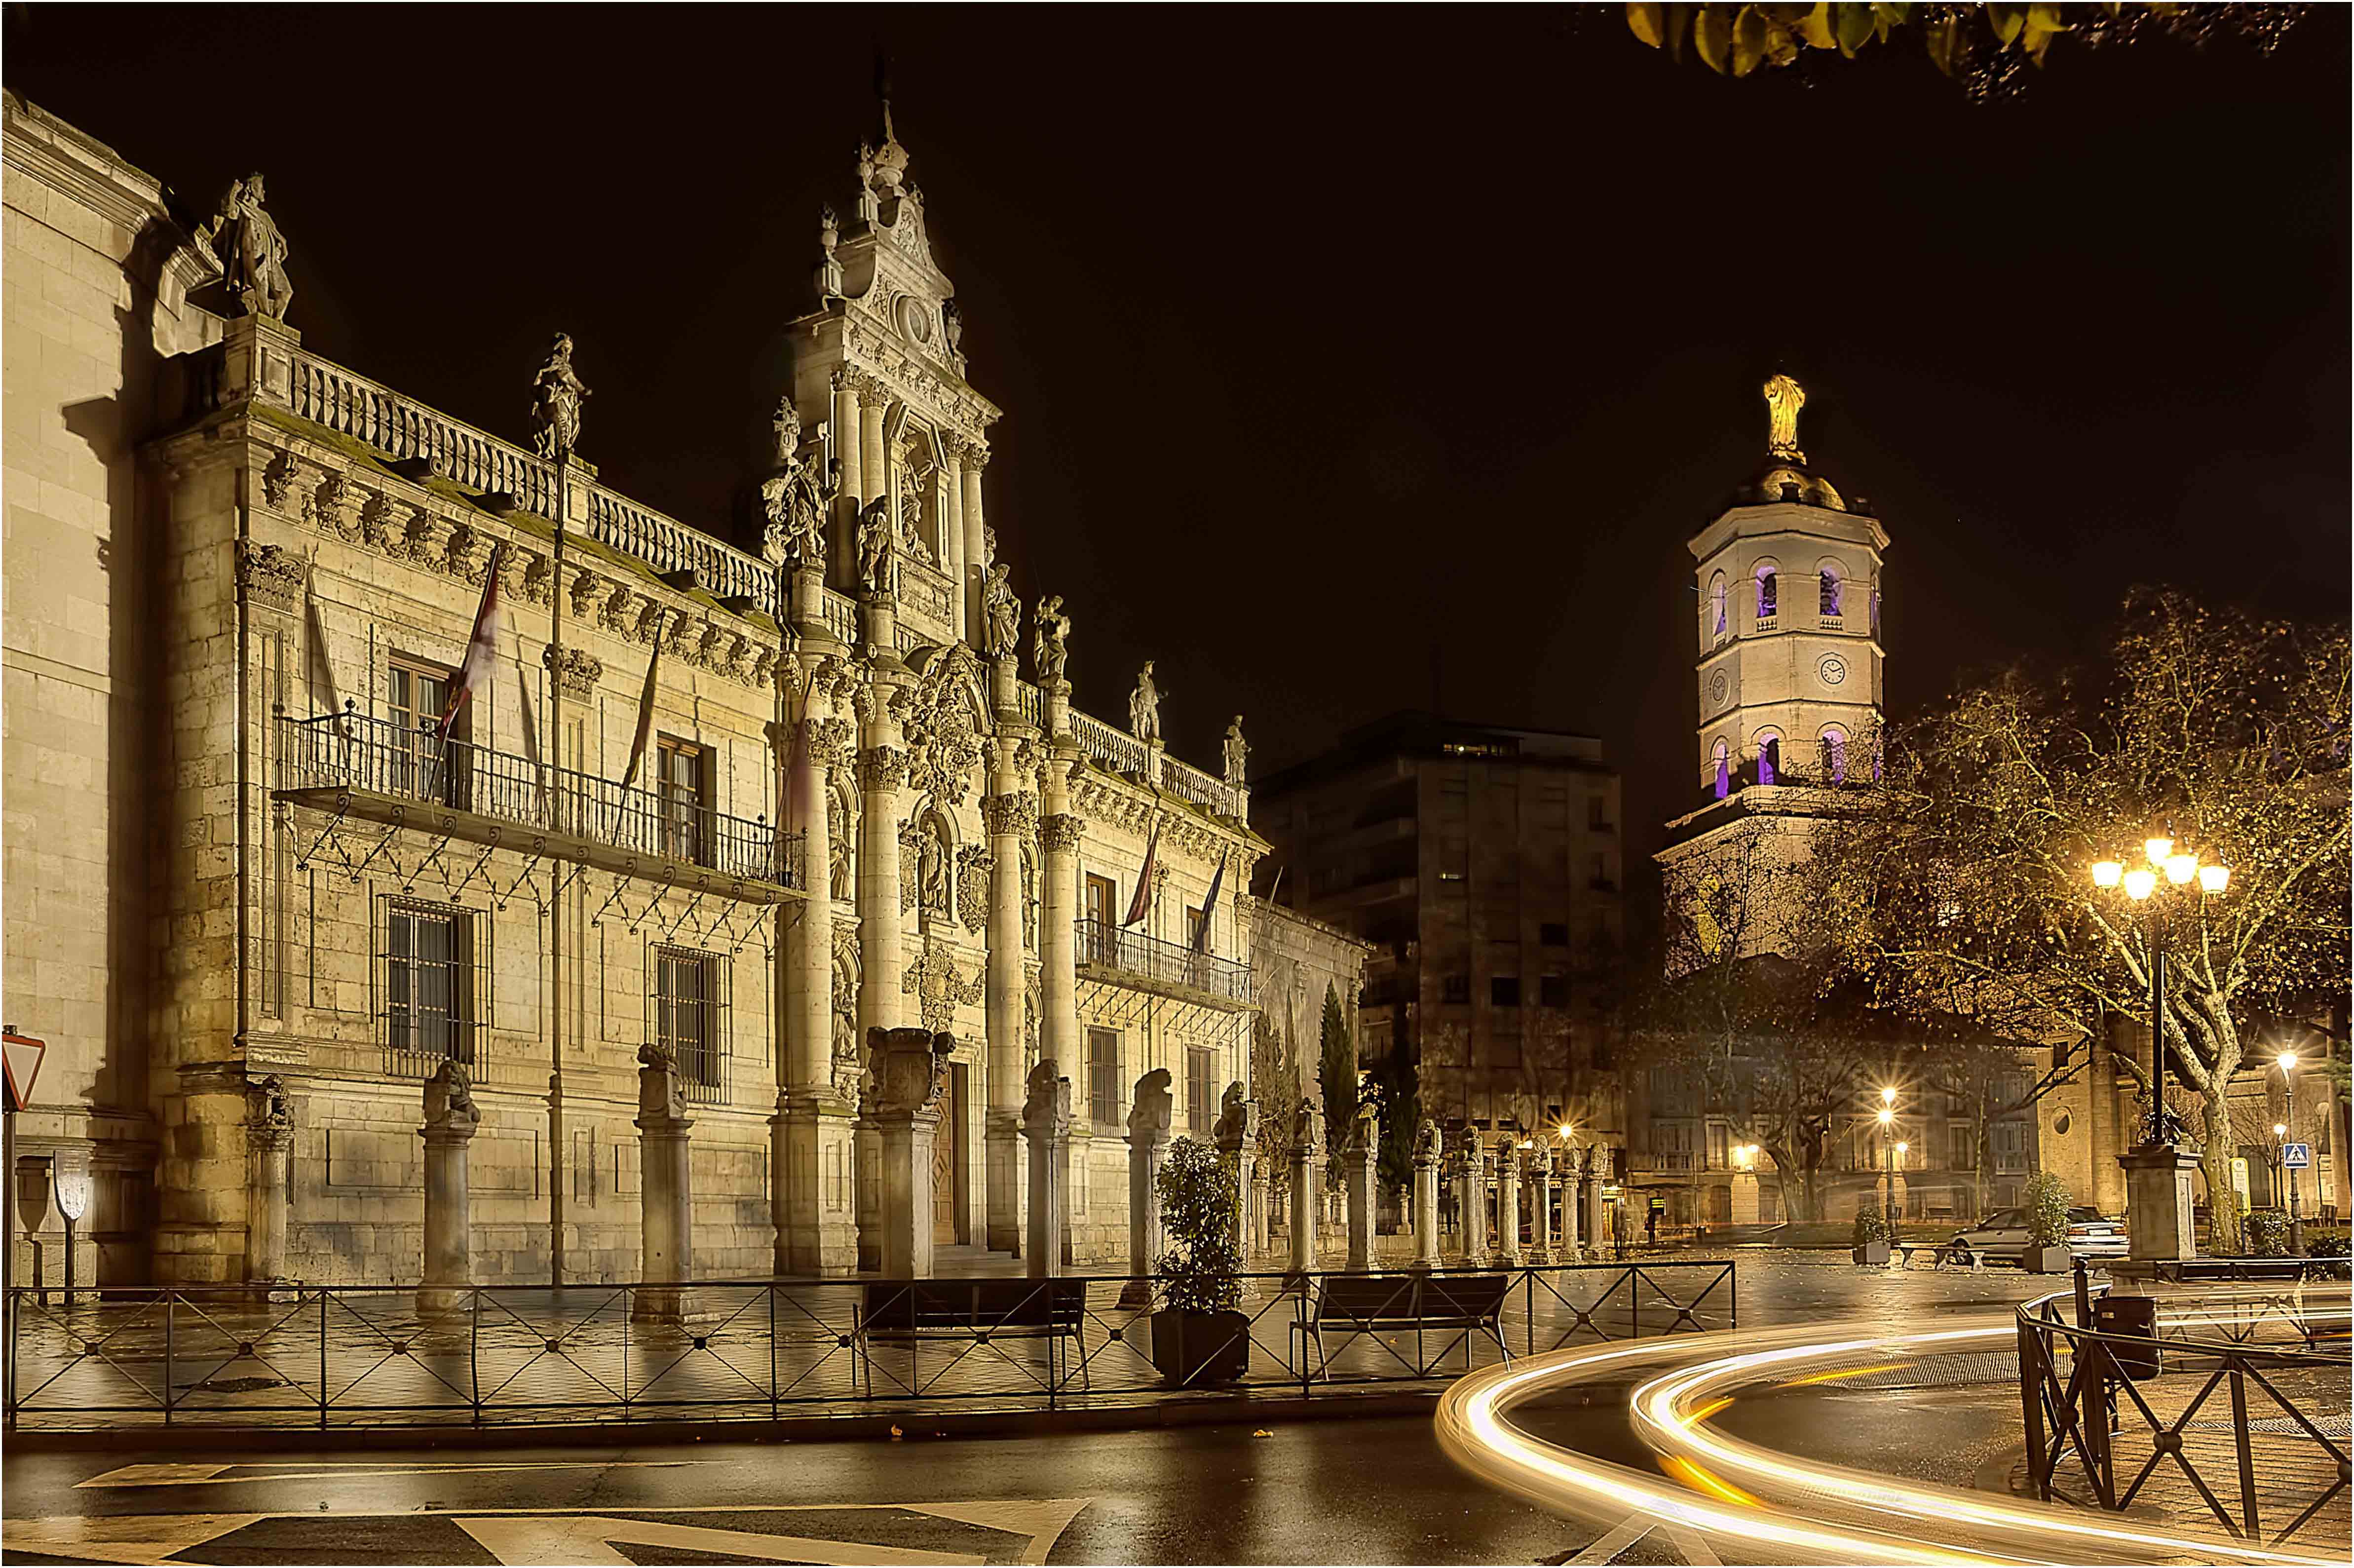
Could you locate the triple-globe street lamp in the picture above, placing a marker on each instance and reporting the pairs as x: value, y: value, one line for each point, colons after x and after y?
x: 2151, y: 891
x: 2286, y: 1062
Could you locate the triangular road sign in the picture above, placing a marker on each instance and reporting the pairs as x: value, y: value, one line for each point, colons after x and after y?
x: 23, y: 1058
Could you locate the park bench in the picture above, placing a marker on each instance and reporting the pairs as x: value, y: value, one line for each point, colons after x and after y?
x: 1459, y: 1305
x: 973, y: 1311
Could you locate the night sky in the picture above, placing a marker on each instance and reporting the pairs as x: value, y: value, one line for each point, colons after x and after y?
x: 1342, y: 345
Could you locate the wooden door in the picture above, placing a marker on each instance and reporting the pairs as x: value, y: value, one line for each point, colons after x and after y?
x: 949, y: 1164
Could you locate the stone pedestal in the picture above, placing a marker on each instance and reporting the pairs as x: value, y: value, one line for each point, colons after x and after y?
x: 666, y: 1200
x: 1566, y: 1169
x: 1508, y: 1201
x: 1306, y: 1147
x: 911, y: 1071
x: 1597, y: 1236
x: 1540, y: 1202
x: 2158, y: 1202
x: 1358, y: 1166
x: 814, y: 1135
x: 1475, y: 1200
x: 270, y: 1139
x: 1046, y: 1124
x: 1237, y: 1136
x: 451, y: 1120
x: 1425, y: 1194
x: 1003, y: 1179
x: 867, y: 1201
x: 1745, y: 1198
x: 1148, y: 1120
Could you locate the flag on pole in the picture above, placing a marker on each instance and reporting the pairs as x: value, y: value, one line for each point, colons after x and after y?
x: 1210, y: 906
x: 645, y: 711
x: 531, y: 734
x: 1139, y: 906
x: 323, y: 669
x: 483, y: 648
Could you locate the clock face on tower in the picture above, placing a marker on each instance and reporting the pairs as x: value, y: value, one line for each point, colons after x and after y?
x: 1718, y: 688
x: 1833, y: 669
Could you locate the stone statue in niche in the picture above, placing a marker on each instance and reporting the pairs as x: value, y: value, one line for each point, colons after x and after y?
x: 252, y: 251
x: 557, y: 394
x: 1237, y: 751
x: 1051, y: 651
x: 1004, y: 613
x: 837, y: 849
x: 875, y: 542
x: 933, y: 871
x: 1144, y: 707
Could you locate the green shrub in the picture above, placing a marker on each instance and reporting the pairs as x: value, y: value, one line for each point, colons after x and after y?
x: 2326, y: 1247
x: 2047, y: 1210
x: 1197, y: 1217
x: 2268, y: 1233
x: 1871, y: 1226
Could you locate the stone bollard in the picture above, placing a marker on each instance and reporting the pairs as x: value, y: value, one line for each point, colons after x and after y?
x: 1237, y: 1138
x: 1597, y: 1230
x: 1359, y: 1163
x: 269, y: 1136
x: 451, y: 1120
x: 1148, y: 1136
x: 665, y: 1200
x: 1307, y: 1144
x: 1567, y: 1169
x: 1425, y: 1194
x: 1475, y: 1199
x: 1508, y: 1201
x: 911, y: 1071
x: 1540, y: 1201
x: 1046, y: 1123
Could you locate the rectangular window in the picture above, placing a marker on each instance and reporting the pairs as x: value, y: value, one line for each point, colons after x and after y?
x: 1966, y: 1149
x: 682, y: 774
x: 1455, y: 987
x: 1552, y: 933
x: 1717, y: 1142
x: 687, y: 1019
x: 1104, y: 1105
x: 421, y: 762
x: 1201, y: 1115
x: 1192, y: 928
x: 1504, y: 990
x: 1099, y: 941
x: 428, y: 986
x: 1553, y: 991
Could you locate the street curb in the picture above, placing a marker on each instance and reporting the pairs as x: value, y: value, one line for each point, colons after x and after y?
x: 900, y: 1426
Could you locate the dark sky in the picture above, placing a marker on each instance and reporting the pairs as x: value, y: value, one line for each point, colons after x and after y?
x: 1331, y: 337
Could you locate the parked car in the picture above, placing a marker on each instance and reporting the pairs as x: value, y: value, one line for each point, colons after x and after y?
x: 2002, y: 1237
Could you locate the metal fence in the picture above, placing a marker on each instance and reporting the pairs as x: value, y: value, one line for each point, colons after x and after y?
x: 2211, y: 1394
x: 369, y: 1356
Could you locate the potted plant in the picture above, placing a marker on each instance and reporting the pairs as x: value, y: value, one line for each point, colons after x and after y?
x: 2047, y: 1225
x: 1198, y: 1337
x: 1871, y: 1239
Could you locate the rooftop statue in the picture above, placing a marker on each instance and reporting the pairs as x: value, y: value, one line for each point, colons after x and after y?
x: 795, y: 499
x: 1237, y: 751
x: 1784, y: 399
x: 1144, y: 707
x: 252, y: 251
x: 555, y: 407
x: 1052, y: 652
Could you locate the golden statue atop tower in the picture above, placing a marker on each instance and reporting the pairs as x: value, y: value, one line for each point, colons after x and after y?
x: 1784, y: 399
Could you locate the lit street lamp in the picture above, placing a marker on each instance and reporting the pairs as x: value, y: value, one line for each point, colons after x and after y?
x: 2286, y: 1062
x: 2165, y: 869
x: 1887, y: 1117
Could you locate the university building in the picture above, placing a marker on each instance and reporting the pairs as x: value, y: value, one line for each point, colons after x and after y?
x: 747, y: 885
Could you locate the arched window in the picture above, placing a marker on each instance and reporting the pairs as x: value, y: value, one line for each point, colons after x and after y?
x: 1832, y: 593
x: 1721, y: 765
x: 1716, y: 605
x: 1768, y: 596
x: 1769, y: 757
x: 1835, y: 755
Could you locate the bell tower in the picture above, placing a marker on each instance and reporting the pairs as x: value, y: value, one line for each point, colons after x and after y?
x: 1788, y: 668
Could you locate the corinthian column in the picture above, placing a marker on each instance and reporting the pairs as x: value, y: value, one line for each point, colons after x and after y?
x: 1058, y: 985
x: 874, y: 470
x: 882, y: 769
x: 811, y: 1128
x: 1011, y: 816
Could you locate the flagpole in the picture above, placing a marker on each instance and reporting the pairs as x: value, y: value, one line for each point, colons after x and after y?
x: 555, y: 897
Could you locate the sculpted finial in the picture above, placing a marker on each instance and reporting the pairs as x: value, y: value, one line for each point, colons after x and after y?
x: 1784, y: 399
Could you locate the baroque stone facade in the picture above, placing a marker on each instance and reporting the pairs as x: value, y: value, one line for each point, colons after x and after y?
x: 283, y: 840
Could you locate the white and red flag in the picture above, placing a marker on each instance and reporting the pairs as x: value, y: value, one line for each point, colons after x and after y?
x: 483, y: 648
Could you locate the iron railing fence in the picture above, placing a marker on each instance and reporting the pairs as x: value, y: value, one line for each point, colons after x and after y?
x: 2232, y: 1393
x: 354, y: 751
x: 1107, y: 946
x: 374, y: 1356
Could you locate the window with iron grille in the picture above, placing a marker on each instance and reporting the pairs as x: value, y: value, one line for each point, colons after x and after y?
x: 427, y: 953
x: 1200, y: 1113
x: 689, y: 1017
x: 682, y: 773
x: 1104, y: 1108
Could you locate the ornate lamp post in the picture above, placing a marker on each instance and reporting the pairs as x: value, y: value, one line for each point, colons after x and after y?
x: 1887, y: 1117
x: 2286, y: 1062
x: 2157, y: 1172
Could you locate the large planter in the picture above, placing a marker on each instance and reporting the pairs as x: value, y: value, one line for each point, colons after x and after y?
x: 2049, y: 1260
x: 1871, y: 1255
x: 1200, y: 1349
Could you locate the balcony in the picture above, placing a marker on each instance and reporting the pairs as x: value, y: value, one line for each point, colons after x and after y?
x: 1135, y: 962
x: 354, y: 766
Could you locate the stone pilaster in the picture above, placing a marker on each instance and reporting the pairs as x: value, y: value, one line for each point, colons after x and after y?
x: 911, y: 1070
x: 882, y: 770
x: 451, y: 1120
x: 1046, y: 1124
x: 1508, y: 1200
x: 1011, y: 816
x: 665, y: 1195
x: 811, y: 1132
x: 1058, y: 986
x: 974, y: 458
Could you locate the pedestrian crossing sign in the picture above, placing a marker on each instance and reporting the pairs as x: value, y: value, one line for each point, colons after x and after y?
x: 2296, y: 1156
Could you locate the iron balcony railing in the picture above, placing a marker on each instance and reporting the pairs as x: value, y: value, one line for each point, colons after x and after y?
x: 1108, y: 946
x: 378, y: 756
